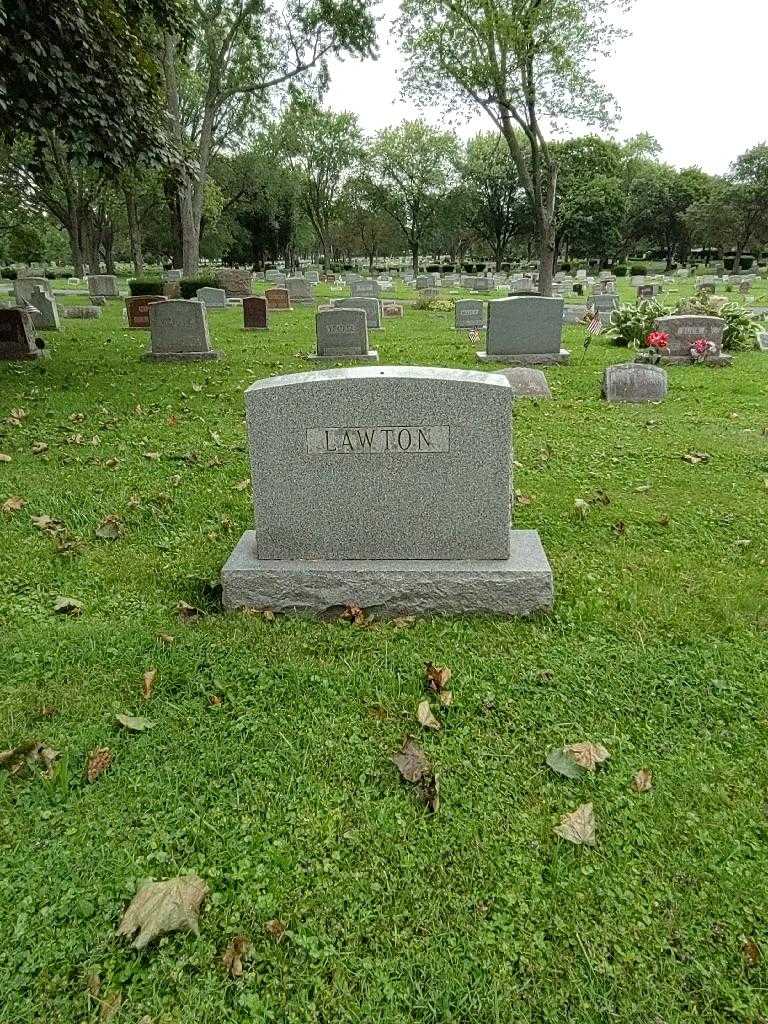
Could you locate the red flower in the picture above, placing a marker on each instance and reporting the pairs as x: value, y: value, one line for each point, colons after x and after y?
x: 657, y: 339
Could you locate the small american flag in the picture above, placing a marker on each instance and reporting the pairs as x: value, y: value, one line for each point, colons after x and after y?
x: 594, y: 324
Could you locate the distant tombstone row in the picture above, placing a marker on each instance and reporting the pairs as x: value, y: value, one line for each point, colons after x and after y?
x: 237, y: 284
x: 372, y: 308
x: 103, y: 286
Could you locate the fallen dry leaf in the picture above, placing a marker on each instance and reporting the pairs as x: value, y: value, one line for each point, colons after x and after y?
x: 188, y: 612
x: 16, y: 417
x: 751, y: 952
x: 578, y: 826
x: 426, y: 719
x: 152, y: 456
x: 233, y: 955
x: 48, y: 711
x: 414, y: 767
x: 241, y: 485
x: 29, y: 753
x: 560, y: 761
x: 4, y: 457
x: 354, y: 615
x: 39, y: 448
x: 412, y: 762
x: 67, y: 606
x: 13, y: 504
x: 402, y: 621
x: 148, y: 683
x: 581, y: 508
x: 133, y: 724
x: 47, y: 524
x: 642, y: 781
x: 214, y: 700
x: 587, y: 755
x: 446, y: 698
x: 166, y: 638
x: 696, y: 458
x: 110, y: 528
x: 438, y: 676
x: 110, y: 1007
x: 162, y: 907
x: 275, y: 929
x: 98, y: 761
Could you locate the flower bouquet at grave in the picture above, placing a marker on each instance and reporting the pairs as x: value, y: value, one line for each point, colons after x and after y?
x: 741, y: 327
x: 655, y: 346
x: 702, y: 349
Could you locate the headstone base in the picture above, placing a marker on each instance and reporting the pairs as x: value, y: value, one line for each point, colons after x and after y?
x: 720, y: 360
x: 179, y: 357
x: 527, y: 358
x: 372, y: 356
x: 520, y: 585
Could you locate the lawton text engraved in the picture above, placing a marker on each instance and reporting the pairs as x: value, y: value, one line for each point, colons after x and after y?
x: 412, y: 440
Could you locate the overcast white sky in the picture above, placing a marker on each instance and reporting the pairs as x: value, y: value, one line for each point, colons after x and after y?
x: 694, y: 73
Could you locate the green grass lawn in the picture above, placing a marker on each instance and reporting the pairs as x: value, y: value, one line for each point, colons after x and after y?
x: 267, y: 771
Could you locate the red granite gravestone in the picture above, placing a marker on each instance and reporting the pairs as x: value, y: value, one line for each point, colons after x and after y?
x: 392, y: 309
x: 17, y: 339
x: 137, y: 309
x: 255, y: 315
x: 278, y: 298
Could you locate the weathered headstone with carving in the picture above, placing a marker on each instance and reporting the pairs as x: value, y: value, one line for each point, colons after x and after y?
x: 277, y: 298
x: 137, y: 310
x: 634, y: 383
x: 685, y: 330
x: 103, y: 286
x: 179, y: 332
x: 17, y: 337
x: 45, y: 312
x: 525, y: 331
x: 343, y: 334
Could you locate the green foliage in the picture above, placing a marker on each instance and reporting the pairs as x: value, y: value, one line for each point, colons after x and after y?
x: 621, y: 270
x: 740, y: 327
x: 189, y: 286
x: 638, y: 270
x: 92, y: 70
x: 10, y: 274
x: 631, y: 324
x: 148, y: 286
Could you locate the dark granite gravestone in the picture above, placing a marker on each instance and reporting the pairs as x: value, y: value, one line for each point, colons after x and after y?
x: 137, y: 309
x: 255, y: 313
x: 17, y: 339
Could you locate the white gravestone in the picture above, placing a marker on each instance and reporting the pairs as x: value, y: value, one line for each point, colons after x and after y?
x: 387, y: 488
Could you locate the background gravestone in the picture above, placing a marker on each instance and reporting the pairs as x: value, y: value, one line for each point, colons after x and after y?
x: 634, y: 383
x: 684, y: 330
x: 179, y: 331
x: 392, y: 309
x: 23, y: 288
x: 137, y: 310
x: 236, y: 283
x: 17, y: 339
x: 372, y: 309
x: 103, y: 286
x: 79, y: 312
x: 277, y: 298
x: 255, y: 313
x: 300, y: 291
x: 525, y: 330
x: 527, y: 382
x: 212, y: 298
x: 365, y: 288
x: 45, y: 315
x: 343, y: 334
x: 469, y: 315
x: 389, y: 488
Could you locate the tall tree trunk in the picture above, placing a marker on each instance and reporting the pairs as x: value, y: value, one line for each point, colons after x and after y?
x: 415, y: 257
x: 189, y: 215
x: 74, y: 247
x: 134, y: 230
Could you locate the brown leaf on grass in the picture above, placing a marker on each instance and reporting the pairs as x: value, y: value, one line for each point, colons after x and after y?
x: 110, y: 1007
x: 352, y: 613
x: 67, y: 606
x: 426, y: 719
x: 446, y: 698
x: 133, y: 724
x: 39, y: 448
x: 16, y: 417
x: 215, y: 700
x: 47, y: 711
x: 26, y: 754
x: 580, y: 508
x: 162, y: 907
x: 663, y: 520
x: 402, y: 621
x: 578, y: 826
x: 166, y: 638
x: 4, y: 457
x: 188, y: 612
x: 93, y: 985
x: 438, y: 676
x: 13, y: 504
x: 232, y: 957
x: 47, y: 524
x: 76, y: 417
x: 242, y: 485
x: 275, y: 929
x: 751, y: 952
x: 619, y: 529
x: 152, y: 456
x: 412, y: 762
x: 587, y: 755
x: 98, y: 761
x: 642, y: 781
x: 110, y: 528
x: 148, y: 683
x: 696, y: 458
x: 414, y: 767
